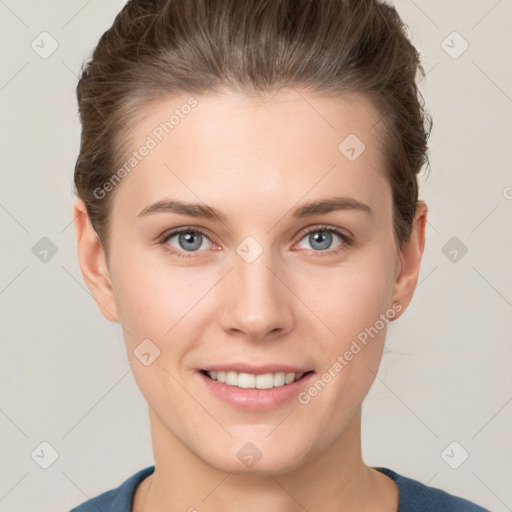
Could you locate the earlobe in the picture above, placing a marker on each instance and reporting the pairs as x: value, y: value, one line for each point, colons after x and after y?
x: 91, y: 258
x: 410, y: 259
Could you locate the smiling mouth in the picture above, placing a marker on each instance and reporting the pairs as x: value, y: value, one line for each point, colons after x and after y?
x: 252, y: 381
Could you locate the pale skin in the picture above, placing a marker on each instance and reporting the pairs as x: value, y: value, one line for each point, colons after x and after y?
x: 255, y: 161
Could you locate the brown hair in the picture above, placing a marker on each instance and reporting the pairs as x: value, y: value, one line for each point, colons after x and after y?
x: 329, y: 47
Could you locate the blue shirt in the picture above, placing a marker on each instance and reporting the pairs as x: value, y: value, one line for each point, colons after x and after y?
x: 413, y: 496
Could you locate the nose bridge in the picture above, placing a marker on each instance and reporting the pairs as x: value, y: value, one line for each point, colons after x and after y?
x: 258, y: 301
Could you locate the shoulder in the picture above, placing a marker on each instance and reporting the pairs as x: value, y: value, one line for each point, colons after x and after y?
x: 414, y: 495
x: 118, y: 499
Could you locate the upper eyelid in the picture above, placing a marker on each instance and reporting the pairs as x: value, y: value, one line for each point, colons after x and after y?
x: 324, y: 227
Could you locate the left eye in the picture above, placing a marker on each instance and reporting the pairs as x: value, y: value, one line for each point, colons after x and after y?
x: 321, y: 239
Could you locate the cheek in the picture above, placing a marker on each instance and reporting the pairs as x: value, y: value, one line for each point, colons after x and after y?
x: 152, y: 304
x: 152, y: 299
x: 168, y: 306
x: 351, y: 298
x: 357, y: 311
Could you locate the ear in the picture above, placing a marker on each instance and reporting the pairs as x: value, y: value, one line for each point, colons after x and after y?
x: 91, y: 258
x: 410, y: 258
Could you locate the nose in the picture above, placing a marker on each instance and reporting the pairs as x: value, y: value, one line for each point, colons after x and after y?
x: 257, y: 302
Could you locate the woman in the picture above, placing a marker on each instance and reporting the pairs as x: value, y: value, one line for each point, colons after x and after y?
x: 248, y: 212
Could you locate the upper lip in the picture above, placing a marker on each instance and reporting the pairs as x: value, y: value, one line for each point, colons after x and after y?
x: 255, y: 369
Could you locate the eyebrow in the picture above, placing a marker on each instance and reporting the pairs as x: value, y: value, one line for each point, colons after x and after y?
x: 201, y: 210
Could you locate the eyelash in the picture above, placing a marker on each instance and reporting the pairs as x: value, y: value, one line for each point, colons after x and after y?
x: 347, y: 241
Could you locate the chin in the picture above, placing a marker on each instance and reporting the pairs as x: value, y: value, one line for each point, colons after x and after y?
x: 249, y: 459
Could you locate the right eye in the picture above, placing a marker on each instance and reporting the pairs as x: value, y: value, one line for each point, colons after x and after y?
x: 185, y: 240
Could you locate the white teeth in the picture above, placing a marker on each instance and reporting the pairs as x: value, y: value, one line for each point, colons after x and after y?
x: 232, y: 378
x: 251, y: 381
x: 265, y: 381
x: 280, y: 379
x: 246, y: 380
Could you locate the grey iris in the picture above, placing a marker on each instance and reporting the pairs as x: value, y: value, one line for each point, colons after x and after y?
x: 188, y: 237
x: 322, y: 237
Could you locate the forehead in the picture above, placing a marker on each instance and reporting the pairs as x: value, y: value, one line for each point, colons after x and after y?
x: 234, y: 151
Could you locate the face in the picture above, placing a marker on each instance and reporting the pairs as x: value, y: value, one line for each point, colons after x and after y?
x: 295, y: 272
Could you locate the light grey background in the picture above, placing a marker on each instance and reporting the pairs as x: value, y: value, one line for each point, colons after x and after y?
x: 446, y: 374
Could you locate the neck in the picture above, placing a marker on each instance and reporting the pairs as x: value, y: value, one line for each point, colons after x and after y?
x: 335, y: 479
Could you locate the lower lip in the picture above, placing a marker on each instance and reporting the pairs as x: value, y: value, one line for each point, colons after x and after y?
x: 256, y: 400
